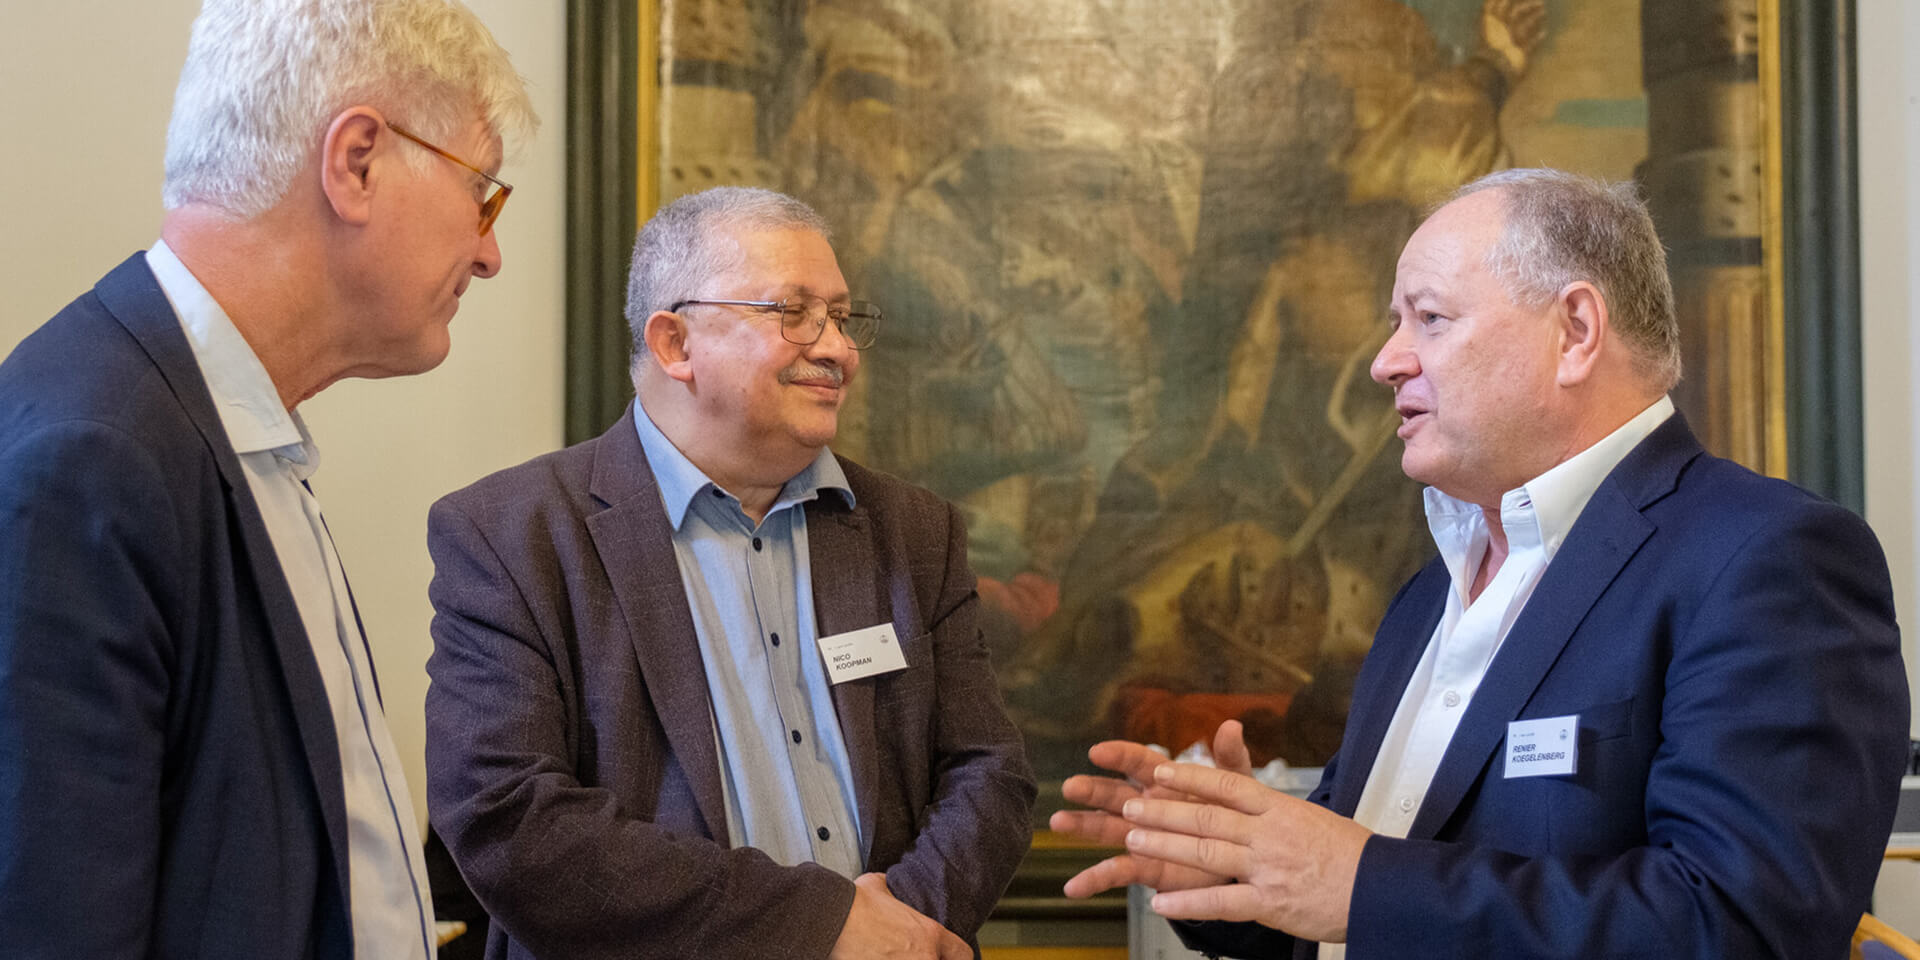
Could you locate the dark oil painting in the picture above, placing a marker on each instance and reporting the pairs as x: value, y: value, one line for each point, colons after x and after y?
x: 1135, y: 257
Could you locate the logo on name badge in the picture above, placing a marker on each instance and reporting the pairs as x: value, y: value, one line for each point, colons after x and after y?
x: 861, y: 653
x: 1545, y: 747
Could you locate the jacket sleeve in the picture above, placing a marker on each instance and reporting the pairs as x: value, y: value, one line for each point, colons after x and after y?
x: 1768, y: 801
x: 980, y: 817
x: 559, y: 865
x: 88, y: 565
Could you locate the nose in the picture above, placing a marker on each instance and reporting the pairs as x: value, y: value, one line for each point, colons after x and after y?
x: 1396, y: 362
x: 486, y: 260
x: 834, y: 348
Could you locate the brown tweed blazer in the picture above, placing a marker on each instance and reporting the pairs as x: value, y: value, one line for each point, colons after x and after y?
x: 571, y: 758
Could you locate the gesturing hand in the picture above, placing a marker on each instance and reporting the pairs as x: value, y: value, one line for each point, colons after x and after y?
x: 1105, y: 825
x: 1296, y: 860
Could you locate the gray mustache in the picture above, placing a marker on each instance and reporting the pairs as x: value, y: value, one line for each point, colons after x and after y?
x: 790, y: 374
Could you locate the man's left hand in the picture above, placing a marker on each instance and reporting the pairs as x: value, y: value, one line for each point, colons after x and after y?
x: 1295, y: 860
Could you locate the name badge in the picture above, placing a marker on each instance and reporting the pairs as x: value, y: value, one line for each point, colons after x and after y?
x: 1546, y: 747
x: 862, y: 653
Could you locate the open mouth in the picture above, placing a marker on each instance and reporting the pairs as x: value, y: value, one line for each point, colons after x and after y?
x: 1410, y: 419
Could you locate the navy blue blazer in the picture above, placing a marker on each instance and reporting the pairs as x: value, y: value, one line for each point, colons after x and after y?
x: 169, y: 776
x: 1728, y: 642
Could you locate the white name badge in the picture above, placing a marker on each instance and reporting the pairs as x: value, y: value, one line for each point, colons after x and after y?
x: 1546, y: 747
x: 862, y: 653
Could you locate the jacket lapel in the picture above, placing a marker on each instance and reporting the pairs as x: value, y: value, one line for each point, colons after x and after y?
x: 134, y: 297
x: 1609, y: 532
x: 845, y: 598
x: 1409, y: 621
x: 635, y: 543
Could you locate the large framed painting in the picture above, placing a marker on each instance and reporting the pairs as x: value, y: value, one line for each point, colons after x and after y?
x: 1135, y: 256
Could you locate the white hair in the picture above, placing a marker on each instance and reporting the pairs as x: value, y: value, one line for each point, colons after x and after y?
x: 264, y: 78
x: 1562, y: 227
x: 676, y: 250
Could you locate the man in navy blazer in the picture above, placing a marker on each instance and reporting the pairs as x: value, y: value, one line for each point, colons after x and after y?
x: 193, y: 758
x: 1645, y: 703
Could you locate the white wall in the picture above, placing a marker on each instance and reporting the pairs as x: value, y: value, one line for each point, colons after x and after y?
x: 1889, y: 30
x: 89, y: 85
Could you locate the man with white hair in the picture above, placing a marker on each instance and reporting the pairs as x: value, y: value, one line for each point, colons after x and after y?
x: 702, y: 688
x: 193, y: 757
x: 1645, y: 703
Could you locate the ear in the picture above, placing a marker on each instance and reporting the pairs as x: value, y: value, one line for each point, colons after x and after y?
x: 665, y: 335
x: 1584, y: 329
x: 347, y: 153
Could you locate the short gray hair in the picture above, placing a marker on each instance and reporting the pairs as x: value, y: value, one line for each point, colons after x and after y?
x: 1562, y: 227
x: 676, y: 251
x: 263, y: 78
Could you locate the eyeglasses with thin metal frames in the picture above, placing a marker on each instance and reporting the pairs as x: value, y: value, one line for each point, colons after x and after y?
x: 490, y: 207
x: 860, y: 325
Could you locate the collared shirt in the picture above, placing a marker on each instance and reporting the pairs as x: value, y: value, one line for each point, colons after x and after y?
x: 1536, y: 518
x: 386, y: 869
x: 785, y: 773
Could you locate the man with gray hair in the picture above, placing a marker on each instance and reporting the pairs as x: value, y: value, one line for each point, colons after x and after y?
x: 1644, y: 703
x: 701, y: 687
x: 193, y: 757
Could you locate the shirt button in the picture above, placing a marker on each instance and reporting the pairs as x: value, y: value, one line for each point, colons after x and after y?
x: 719, y: 494
x: 776, y: 639
x: 796, y: 736
x: 1452, y: 699
x: 823, y: 833
x: 756, y: 544
x: 1406, y: 804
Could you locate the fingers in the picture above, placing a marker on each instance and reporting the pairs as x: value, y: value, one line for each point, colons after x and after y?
x: 952, y: 947
x: 1105, y: 829
x: 1235, y: 902
x: 1212, y: 856
x: 1225, y: 787
x: 1193, y: 819
x: 1103, y: 876
x: 1230, y: 749
x: 1126, y: 758
x: 1104, y: 793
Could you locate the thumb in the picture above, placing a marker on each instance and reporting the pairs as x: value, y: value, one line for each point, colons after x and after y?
x: 1230, y: 749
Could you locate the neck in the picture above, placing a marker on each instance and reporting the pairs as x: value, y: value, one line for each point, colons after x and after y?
x: 263, y: 274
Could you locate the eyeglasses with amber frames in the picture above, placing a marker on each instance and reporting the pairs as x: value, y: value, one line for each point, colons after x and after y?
x: 490, y: 207
x: 804, y: 319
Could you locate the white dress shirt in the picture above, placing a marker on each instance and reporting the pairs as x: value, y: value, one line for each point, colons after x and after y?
x: 389, y: 902
x: 1536, y: 518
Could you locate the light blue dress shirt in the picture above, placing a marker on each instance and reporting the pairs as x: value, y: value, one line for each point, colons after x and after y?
x: 784, y: 768
x: 390, y: 906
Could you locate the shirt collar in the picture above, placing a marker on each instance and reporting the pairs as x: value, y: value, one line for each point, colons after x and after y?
x: 243, y: 395
x: 680, y: 480
x: 1540, y: 513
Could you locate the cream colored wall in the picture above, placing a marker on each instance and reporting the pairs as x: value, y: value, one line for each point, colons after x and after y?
x: 1890, y: 288
x: 89, y: 84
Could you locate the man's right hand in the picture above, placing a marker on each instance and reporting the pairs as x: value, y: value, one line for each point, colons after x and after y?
x: 881, y: 927
x: 1105, y: 825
